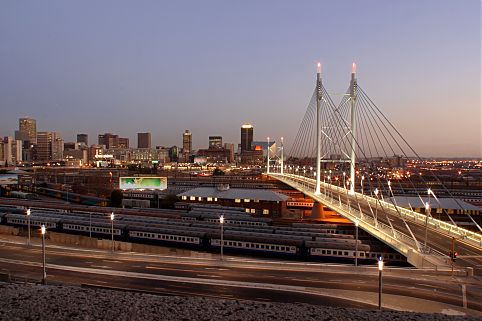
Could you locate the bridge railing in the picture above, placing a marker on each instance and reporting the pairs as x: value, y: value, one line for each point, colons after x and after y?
x: 308, y: 184
x: 397, y: 239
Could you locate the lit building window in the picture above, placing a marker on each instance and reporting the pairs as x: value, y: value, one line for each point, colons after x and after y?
x: 246, y: 200
x: 253, y: 211
x: 184, y: 197
x: 210, y: 199
x: 215, y: 199
x: 192, y: 198
x: 199, y: 199
x: 265, y: 212
x: 247, y: 210
x: 238, y: 200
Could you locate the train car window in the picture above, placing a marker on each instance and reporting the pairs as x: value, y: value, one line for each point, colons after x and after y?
x: 346, y: 253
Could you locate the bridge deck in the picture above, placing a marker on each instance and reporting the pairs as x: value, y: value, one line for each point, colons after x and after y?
x: 402, y: 229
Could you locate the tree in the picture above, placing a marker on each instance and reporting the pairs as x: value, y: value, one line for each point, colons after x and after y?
x: 116, y: 198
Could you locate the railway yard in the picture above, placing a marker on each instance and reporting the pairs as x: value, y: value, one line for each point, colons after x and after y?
x: 197, y: 227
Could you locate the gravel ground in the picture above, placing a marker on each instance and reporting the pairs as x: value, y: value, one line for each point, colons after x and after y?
x: 37, y: 302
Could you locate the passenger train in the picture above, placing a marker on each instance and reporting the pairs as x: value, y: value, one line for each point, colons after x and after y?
x: 325, y: 242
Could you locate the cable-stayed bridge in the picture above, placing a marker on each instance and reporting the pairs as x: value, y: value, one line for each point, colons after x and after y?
x: 350, y: 158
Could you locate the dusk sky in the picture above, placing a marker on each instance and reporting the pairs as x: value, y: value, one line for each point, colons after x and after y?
x: 210, y: 66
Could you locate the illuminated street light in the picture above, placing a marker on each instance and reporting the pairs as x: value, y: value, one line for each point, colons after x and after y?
x: 28, y: 223
x: 221, y: 222
x: 427, y: 212
x: 112, y: 230
x: 380, y: 270
x: 44, y: 274
x: 362, y: 178
x: 376, y: 202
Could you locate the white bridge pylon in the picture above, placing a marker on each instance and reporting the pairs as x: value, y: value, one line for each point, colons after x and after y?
x: 355, y: 136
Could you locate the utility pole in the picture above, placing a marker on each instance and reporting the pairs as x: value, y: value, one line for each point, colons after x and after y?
x: 318, y: 128
x: 353, y: 92
x: 281, y: 157
x: 267, y: 159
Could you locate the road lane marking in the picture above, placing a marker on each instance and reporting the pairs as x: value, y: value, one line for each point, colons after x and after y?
x: 208, y: 275
x: 101, y: 266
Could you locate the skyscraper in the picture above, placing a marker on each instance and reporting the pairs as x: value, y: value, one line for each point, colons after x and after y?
x: 83, y: 139
x: 143, y: 140
x: 247, y: 131
x: 187, y: 141
x: 50, y: 146
x: 27, y: 130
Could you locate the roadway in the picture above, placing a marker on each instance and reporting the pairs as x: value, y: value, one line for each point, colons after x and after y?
x: 469, y: 256
x: 243, y: 279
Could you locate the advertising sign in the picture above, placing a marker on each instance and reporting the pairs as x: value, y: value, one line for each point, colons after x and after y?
x: 159, y: 183
x: 8, y: 179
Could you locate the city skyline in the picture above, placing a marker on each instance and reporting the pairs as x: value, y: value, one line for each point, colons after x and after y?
x: 164, y: 68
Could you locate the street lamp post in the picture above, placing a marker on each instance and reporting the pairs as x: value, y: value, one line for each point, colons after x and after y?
x: 221, y: 222
x: 356, y: 242
x: 344, y: 185
x: 28, y: 224
x: 427, y: 212
x: 376, y: 203
x: 380, y: 270
x: 362, y: 179
x: 112, y: 230
x: 44, y: 273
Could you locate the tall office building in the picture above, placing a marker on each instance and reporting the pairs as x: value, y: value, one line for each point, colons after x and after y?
x: 50, y: 146
x: 27, y: 130
x: 187, y: 141
x: 83, y: 139
x: 215, y: 142
x: 123, y: 142
x: 11, y: 151
x: 143, y: 140
x: 247, y: 131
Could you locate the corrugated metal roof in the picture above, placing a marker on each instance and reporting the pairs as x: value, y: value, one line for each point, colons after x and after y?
x: 236, y: 193
x: 446, y: 203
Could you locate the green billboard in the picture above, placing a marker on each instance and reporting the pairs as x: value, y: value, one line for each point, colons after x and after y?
x: 158, y: 183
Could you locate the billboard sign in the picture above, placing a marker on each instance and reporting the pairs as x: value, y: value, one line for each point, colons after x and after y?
x: 8, y: 179
x: 159, y: 183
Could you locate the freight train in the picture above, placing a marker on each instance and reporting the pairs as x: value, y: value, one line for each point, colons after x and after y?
x: 241, y: 233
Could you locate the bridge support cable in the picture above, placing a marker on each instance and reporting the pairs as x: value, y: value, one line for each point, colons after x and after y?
x: 399, y: 140
x: 369, y: 146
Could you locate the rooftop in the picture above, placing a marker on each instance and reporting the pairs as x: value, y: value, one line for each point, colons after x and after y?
x: 445, y: 203
x: 236, y: 193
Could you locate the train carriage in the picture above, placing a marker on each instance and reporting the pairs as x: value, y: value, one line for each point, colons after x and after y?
x: 168, y: 236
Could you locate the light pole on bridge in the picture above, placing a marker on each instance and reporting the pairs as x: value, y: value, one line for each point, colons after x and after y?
x: 376, y: 203
x: 361, y: 183
x: 427, y: 212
